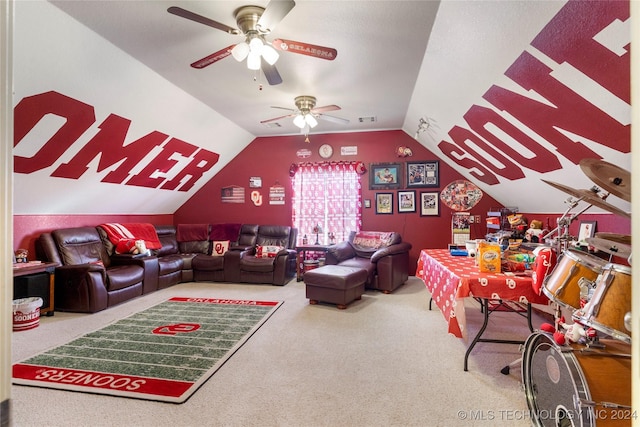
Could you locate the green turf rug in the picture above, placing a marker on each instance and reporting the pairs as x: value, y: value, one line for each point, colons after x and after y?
x: 163, y: 353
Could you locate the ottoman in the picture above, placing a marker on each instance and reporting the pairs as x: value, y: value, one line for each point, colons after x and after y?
x: 335, y: 284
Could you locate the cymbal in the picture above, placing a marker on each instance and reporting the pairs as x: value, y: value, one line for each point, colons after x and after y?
x: 625, y: 239
x: 590, y: 197
x: 610, y: 177
x: 610, y: 247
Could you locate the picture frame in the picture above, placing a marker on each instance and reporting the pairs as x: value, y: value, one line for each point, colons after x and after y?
x: 423, y: 174
x: 367, y: 203
x: 385, y: 176
x: 384, y: 203
x: 587, y: 230
x: 406, y: 201
x: 430, y: 203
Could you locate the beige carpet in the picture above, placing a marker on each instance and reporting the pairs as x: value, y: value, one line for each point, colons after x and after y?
x: 384, y: 361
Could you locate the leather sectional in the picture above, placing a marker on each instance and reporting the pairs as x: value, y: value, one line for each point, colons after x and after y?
x: 91, y: 276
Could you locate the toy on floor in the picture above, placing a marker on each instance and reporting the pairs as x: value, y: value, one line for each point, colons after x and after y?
x: 566, y: 333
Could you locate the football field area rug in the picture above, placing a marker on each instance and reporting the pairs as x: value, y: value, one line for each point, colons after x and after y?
x: 163, y: 353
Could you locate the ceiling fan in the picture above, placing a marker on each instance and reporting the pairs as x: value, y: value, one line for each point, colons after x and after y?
x: 254, y: 23
x: 306, y: 115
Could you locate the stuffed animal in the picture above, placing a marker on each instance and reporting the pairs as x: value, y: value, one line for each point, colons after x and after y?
x: 141, y: 248
x: 565, y: 333
x: 535, y: 232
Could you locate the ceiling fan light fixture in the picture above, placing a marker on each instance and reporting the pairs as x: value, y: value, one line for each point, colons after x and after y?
x: 240, y: 51
x: 253, y: 61
x: 299, y: 121
x: 270, y: 54
x: 310, y: 120
x: 256, y: 45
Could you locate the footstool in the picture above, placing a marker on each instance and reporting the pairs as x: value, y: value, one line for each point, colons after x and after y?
x: 335, y: 284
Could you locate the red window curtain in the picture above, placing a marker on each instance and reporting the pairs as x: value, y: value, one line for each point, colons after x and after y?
x: 328, y: 195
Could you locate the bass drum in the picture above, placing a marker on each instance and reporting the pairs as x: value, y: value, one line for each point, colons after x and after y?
x: 576, y: 386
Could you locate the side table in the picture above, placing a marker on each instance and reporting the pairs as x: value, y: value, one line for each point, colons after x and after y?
x: 26, y: 283
x: 301, y: 254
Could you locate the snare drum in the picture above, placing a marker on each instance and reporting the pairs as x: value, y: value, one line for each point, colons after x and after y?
x: 577, y: 386
x: 572, y: 270
x: 610, y: 302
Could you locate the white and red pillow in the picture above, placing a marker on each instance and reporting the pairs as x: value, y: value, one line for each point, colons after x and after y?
x: 219, y: 247
x: 372, y: 239
x: 268, y: 251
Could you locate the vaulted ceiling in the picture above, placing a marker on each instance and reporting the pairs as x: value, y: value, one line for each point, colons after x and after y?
x: 397, y: 62
x: 380, y: 47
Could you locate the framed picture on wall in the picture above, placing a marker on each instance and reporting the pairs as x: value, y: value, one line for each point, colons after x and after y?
x: 384, y: 203
x: 423, y: 174
x: 406, y: 201
x: 587, y: 230
x: 430, y: 204
x: 385, y: 176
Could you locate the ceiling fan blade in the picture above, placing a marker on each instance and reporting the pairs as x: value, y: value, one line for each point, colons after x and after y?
x: 271, y: 73
x: 322, y: 52
x: 275, y: 119
x: 183, y: 13
x: 325, y: 108
x: 275, y: 12
x: 333, y: 119
x: 214, y: 57
x: 284, y: 108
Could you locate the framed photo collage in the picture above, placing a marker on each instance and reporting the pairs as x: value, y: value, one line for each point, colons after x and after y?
x: 406, y: 180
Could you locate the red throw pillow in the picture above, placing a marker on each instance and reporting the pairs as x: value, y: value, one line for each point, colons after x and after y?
x: 126, y: 246
x: 543, y: 265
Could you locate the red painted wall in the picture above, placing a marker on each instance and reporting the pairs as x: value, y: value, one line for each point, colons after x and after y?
x: 27, y: 228
x: 270, y: 159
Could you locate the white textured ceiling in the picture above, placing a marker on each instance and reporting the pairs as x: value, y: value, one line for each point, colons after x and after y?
x: 380, y: 47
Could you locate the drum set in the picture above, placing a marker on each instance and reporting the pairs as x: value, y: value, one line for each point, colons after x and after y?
x: 586, y: 382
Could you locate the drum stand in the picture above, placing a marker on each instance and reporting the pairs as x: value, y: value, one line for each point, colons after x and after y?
x: 563, y: 238
x: 562, y: 244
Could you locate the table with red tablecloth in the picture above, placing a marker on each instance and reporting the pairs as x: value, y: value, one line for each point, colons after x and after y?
x: 450, y: 279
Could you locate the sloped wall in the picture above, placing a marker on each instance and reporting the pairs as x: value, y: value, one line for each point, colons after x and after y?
x: 522, y: 91
x: 97, y: 132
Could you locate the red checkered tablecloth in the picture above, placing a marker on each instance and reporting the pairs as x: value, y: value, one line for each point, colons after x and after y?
x: 449, y: 279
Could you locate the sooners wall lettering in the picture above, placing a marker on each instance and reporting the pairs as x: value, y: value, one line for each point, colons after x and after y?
x: 569, y: 38
x: 109, y: 145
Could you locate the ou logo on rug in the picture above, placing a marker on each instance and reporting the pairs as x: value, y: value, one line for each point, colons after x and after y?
x: 178, y: 328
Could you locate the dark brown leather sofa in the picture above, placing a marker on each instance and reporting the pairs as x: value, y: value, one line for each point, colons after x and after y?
x: 277, y: 270
x: 387, y: 266
x: 92, y: 277
x: 88, y: 279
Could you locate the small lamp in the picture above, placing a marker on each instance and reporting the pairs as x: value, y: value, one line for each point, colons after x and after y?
x: 317, y: 229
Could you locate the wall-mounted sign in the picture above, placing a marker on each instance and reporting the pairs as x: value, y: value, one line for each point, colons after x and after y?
x: 256, y: 198
x: 349, y: 150
x: 233, y: 194
x: 303, y: 153
x: 276, y: 195
x: 255, y: 182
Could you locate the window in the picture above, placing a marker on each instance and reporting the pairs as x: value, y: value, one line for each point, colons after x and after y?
x: 328, y: 195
